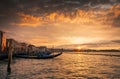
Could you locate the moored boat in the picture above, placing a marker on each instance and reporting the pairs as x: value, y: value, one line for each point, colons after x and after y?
x: 39, y: 56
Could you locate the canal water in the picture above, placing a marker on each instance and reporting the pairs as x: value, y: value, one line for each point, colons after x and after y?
x: 67, y: 66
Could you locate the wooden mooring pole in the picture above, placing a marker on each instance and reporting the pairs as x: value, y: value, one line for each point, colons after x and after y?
x: 9, y: 50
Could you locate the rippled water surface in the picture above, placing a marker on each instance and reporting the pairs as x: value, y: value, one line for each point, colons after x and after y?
x: 67, y: 66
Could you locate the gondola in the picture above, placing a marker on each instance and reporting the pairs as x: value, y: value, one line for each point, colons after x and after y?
x: 39, y: 57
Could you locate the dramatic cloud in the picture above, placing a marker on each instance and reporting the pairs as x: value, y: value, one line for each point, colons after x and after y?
x: 79, y: 16
x: 57, y: 22
x: 32, y: 12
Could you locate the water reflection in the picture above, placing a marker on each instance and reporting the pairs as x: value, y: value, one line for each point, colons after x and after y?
x: 68, y: 65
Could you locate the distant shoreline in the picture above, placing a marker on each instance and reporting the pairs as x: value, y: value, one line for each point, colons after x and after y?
x: 89, y: 53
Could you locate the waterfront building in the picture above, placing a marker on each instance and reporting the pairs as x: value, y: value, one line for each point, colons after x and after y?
x: 24, y: 47
x: 2, y: 42
x: 42, y: 48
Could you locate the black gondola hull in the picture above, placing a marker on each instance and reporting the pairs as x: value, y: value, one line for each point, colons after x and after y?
x: 39, y: 57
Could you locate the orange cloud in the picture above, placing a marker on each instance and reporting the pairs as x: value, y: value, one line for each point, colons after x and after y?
x: 28, y: 20
x: 112, y: 16
x: 116, y: 10
x: 80, y: 17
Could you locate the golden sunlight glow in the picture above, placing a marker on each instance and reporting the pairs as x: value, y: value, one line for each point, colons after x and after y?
x: 80, y: 40
x: 80, y: 26
x: 78, y: 48
x: 85, y: 25
x: 49, y: 42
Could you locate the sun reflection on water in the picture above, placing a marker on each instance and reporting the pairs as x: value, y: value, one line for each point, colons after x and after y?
x: 68, y: 65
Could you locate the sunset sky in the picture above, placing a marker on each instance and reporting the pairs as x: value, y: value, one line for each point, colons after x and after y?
x: 85, y: 23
